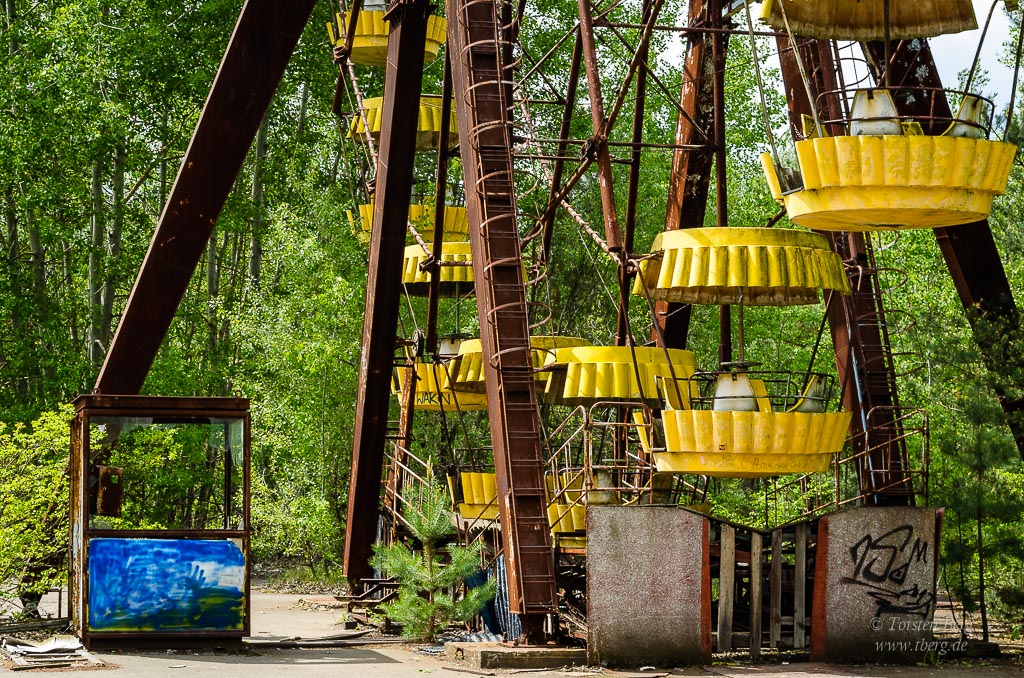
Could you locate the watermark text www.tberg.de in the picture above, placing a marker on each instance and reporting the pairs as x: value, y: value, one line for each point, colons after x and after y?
x: 940, y: 647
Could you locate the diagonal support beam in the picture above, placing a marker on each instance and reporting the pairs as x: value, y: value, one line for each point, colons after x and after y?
x: 622, y: 331
x: 400, y: 117
x: 253, y: 64
x: 440, y: 190
x: 612, y: 230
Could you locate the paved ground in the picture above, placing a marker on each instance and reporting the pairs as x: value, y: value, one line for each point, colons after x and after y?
x: 281, y: 616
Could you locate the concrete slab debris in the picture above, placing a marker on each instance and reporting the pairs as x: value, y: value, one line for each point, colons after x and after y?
x: 496, y: 656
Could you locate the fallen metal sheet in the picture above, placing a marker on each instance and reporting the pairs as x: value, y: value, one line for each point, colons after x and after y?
x: 57, y: 652
x: 54, y: 644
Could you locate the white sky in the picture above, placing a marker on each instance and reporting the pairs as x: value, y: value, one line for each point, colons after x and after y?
x: 954, y: 53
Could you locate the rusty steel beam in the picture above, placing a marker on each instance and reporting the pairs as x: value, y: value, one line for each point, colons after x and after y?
x: 969, y: 250
x: 862, y: 353
x: 690, y: 177
x: 485, y: 141
x: 599, y: 148
x: 399, y: 120
x: 718, y: 46
x: 977, y: 271
x: 253, y: 64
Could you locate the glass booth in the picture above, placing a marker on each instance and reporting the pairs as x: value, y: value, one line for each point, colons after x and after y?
x: 160, y: 520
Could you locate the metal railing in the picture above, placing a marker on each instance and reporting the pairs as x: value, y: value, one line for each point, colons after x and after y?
x: 931, y: 122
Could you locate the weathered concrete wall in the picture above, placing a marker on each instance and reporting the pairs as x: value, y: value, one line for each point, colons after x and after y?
x: 648, y: 587
x: 874, y: 587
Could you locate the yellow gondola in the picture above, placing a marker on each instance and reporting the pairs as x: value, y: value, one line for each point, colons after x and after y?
x: 585, y: 375
x: 468, y: 368
x: 456, y: 228
x: 370, y: 43
x: 885, y: 173
x: 432, y: 396
x: 750, y: 444
x: 755, y: 266
x: 456, y: 277
x: 888, y: 182
x: 864, y: 20
x: 479, y: 496
x: 428, y: 129
x: 567, y: 510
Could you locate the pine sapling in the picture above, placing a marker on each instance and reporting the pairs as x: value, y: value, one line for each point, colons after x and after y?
x: 429, y: 585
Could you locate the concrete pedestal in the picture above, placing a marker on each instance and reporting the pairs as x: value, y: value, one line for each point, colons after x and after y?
x: 874, y: 586
x: 648, y: 587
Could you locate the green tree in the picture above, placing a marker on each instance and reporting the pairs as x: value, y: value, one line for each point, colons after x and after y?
x: 429, y: 584
x: 979, y: 476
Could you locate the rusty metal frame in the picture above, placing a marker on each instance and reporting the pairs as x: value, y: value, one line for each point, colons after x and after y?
x: 262, y: 43
x: 612, y: 230
x: 622, y: 330
x: 618, y: 240
x: 88, y: 406
x: 596, y: 147
x: 400, y: 115
x: 691, y: 169
x: 969, y: 250
x: 547, y: 221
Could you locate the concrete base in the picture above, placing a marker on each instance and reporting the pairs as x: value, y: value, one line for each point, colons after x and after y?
x: 874, y: 585
x: 648, y: 587
x: 497, y: 656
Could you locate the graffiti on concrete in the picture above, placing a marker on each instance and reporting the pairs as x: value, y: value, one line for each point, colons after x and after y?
x: 882, y: 566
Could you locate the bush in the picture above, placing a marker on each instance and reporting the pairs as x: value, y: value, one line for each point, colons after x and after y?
x: 34, y: 512
x: 295, y: 522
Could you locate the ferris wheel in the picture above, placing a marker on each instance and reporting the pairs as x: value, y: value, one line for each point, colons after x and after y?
x: 555, y: 133
x: 875, y: 151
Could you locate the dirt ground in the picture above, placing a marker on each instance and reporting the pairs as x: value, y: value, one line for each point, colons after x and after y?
x: 280, y: 616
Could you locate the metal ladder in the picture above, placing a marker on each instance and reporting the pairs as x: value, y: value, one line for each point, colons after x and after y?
x: 479, y: 66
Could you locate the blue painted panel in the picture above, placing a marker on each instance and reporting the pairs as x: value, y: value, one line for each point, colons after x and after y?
x: 166, y: 585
